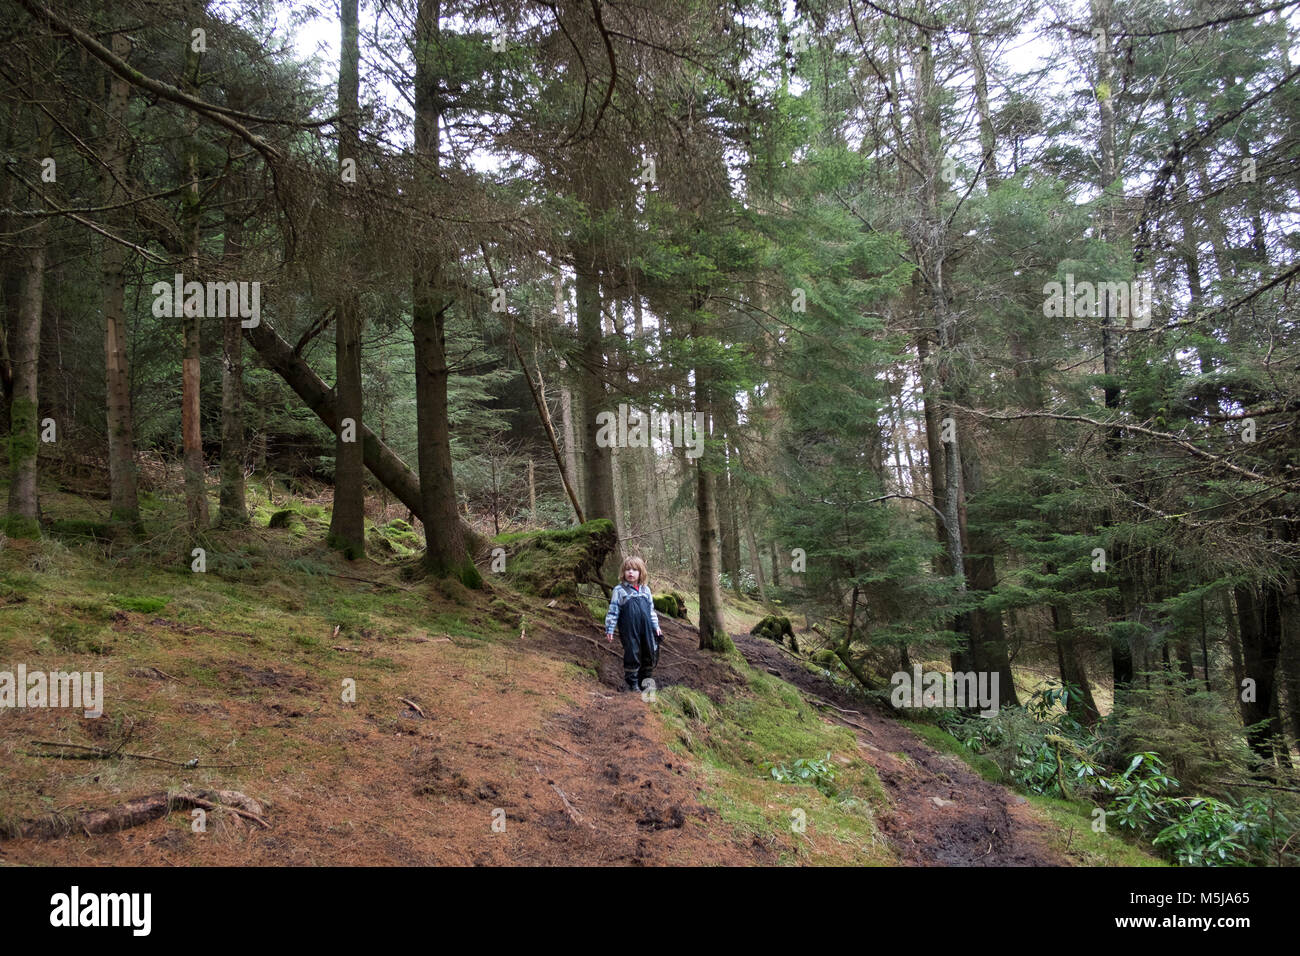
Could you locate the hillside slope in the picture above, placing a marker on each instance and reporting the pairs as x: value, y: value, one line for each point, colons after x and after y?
x: 474, y: 738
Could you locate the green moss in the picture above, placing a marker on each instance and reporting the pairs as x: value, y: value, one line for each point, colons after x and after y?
x: 145, y: 605
x: 738, y: 737
x: 352, y: 550
x: 77, y: 638
x: 14, y: 526
x: 944, y: 742
x: 470, y: 577
x: 452, y: 589
x: 774, y: 628
x: 506, y: 613
x: 669, y: 605
x: 81, y: 528
x: 282, y: 519
x: 553, y: 563
x: 23, y: 433
x: 680, y: 598
x: 395, y: 538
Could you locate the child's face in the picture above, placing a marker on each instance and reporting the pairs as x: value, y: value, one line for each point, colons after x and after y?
x: 632, y: 574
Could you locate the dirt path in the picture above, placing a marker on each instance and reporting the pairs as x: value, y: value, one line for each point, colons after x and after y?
x: 942, y: 813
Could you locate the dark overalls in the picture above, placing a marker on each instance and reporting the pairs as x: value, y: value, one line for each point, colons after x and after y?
x: 635, y: 628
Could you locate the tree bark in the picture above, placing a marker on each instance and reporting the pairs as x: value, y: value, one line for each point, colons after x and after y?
x: 1259, y: 613
x: 713, y: 631
x: 24, y: 423
x: 445, y: 547
x: 598, y: 462
x: 348, y: 517
x: 727, y: 524
x: 1081, y: 706
x: 124, y: 511
x: 24, y: 418
x: 196, y: 498
x: 232, y: 509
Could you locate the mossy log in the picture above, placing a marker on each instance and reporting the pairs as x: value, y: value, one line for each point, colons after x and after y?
x: 553, y: 563
x: 776, y: 628
x: 673, y: 603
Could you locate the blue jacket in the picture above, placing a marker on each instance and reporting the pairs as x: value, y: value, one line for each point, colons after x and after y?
x: 623, y: 591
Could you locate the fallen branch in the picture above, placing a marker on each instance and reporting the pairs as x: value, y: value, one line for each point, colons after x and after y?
x: 136, y: 811
x: 574, y: 815
x: 603, y: 645
x: 414, y: 706
x: 852, y: 723
x: 246, y: 814
x: 822, y: 702
x: 378, y: 584
x: 100, y: 753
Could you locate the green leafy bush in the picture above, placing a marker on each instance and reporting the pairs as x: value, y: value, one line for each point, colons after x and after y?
x: 816, y: 771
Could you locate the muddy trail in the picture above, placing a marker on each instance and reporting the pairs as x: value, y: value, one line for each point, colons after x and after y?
x: 941, y: 812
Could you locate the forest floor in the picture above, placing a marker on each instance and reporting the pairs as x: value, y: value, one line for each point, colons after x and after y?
x: 519, y: 749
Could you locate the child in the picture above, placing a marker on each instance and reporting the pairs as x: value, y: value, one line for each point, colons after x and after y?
x: 632, y: 610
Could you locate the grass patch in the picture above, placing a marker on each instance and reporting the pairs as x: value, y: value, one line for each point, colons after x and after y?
x: 742, y: 738
x: 1073, y: 836
x: 144, y: 605
x: 946, y: 743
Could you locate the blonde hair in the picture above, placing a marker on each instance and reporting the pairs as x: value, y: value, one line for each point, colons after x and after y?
x: 642, y: 579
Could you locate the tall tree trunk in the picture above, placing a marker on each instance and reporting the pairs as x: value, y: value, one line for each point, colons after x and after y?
x: 24, y: 423
x: 124, y: 510
x: 445, y: 546
x: 727, y: 525
x: 1259, y: 613
x: 196, y: 498
x: 988, y: 634
x: 928, y: 245
x: 1081, y: 705
x: 1234, y: 645
x: 1122, y: 653
x: 988, y: 135
x: 755, y: 556
x: 232, y: 508
x: 348, y: 518
x: 570, y: 441
x: 598, y: 462
x: 569, y: 415
x: 1290, y: 656
x: 713, y: 631
x: 10, y: 272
